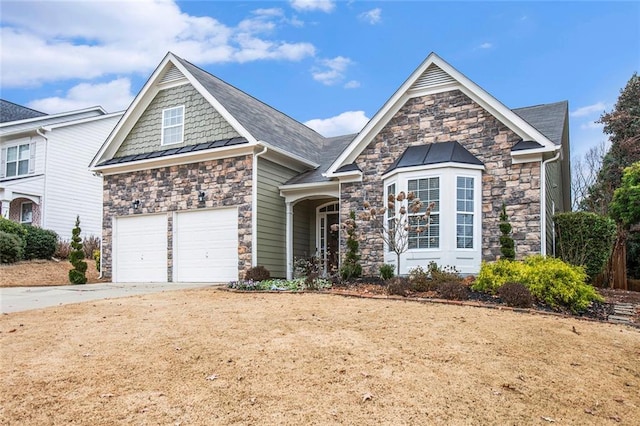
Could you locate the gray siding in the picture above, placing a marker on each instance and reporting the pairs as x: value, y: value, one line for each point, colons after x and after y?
x: 202, y: 123
x: 553, y: 188
x: 271, y: 232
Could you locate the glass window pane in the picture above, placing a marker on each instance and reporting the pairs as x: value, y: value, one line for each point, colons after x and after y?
x: 23, y: 167
x: 12, y: 153
x: 24, y: 152
x: 11, y: 169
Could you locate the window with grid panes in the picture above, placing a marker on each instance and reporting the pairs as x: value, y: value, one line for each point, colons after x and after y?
x: 464, y: 212
x: 172, y: 125
x: 428, y: 191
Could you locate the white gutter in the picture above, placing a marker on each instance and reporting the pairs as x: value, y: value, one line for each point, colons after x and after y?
x: 254, y: 207
x: 40, y: 131
x: 543, y: 201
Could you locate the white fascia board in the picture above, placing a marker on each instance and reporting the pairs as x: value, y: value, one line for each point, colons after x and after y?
x: 82, y: 121
x: 173, y: 160
x: 303, y: 191
x: 532, y: 155
x: 50, y: 116
x: 471, y: 89
x: 450, y: 164
x: 282, y: 154
x: 304, y: 186
x: 351, y: 176
x: 19, y: 133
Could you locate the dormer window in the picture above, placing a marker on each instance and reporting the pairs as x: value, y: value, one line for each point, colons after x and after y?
x: 173, y: 125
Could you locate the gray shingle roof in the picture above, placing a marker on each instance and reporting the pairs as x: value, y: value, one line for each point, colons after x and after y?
x: 549, y: 119
x: 14, y: 112
x: 262, y: 121
x: 330, y: 150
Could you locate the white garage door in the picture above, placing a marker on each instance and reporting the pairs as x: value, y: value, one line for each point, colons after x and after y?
x: 140, y: 249
x: 205, y: 246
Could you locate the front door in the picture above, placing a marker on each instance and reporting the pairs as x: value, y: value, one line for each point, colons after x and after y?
x: 328, y: 239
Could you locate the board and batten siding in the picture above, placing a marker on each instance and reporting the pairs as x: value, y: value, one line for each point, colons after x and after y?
x: 202, y: 123
x: 70, y: 188
x: 271, y: 217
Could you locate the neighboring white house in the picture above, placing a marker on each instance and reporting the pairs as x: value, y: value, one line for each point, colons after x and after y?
x: 44, y: 176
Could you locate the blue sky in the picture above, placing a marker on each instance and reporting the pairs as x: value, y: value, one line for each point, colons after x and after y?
x: 330, y: 64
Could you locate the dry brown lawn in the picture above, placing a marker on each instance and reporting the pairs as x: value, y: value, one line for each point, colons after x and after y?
x: 208, y: 356
x: 42, y: 273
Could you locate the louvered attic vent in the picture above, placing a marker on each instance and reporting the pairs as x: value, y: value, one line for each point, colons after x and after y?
x: 433, y: 76
x: 172, y: 74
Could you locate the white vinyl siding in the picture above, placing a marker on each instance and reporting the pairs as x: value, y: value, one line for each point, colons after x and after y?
x: 464, y: 212
x: 172, y: 125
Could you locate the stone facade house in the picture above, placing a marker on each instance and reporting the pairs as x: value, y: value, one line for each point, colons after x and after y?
x: 44, y: 159
x: 203, y: 181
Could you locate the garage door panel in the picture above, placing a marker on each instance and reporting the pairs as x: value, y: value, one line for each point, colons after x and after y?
x: 140, y: 249
x: 206, y: 245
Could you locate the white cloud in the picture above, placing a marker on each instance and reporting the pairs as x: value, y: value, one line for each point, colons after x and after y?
x: 87, y: 40
x: 343, y: 124
x: 486, y: 45
x: 332, y: 70
x: 589, y: 110
x: 112, y: 96
x: 353, y: 84
x: 311, y: 5
x: 373, y: 16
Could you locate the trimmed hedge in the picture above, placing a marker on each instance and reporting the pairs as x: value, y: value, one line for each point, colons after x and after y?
x: 585, y: 239
x: 549, y: 280
x: 40, y: 243
x: 11, y: 249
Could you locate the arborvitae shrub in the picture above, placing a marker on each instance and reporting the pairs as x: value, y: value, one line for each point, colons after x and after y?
x: 453, y: 290
x: 399, y: 286
x: 387, y: 271
x: 39, y: 243
x: 516, y: 295
x: 11, y: 249
x: 78, y: 274
x: 507, y: 246
x: 257, y: 273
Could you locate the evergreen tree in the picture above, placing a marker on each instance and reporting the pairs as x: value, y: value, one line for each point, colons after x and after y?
x: 506, y: 242
x: 351, y: 267
x: 76, y: 257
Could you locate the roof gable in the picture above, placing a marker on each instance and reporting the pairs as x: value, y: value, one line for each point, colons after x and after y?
x: 14, y: 112
x: 435, y: 75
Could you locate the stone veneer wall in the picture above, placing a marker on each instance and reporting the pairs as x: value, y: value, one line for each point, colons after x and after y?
x: 442, y: 117
x: 226, y: 182
x: 202, y: 123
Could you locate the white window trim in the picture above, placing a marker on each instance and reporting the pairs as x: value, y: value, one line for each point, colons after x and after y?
x: 22, y: 211
x: 28, y: 159
x: 447, y: 253
x: 163, y: 127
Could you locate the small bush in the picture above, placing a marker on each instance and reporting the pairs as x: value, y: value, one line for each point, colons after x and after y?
x: 11, y: 227
x: 387, y: 271
x: 419, y: 279
x: 257, y: 273
x: 63, y: 249
x: 10, y: 247
x: 350, y: 270
x: 248, y: 285
x: 494, y: 275
x: 445, y: 274
x: 39, y: 243
x: 399, y: 286
x: 89, y: 245
x: 96, y: 258
x: 78, y: 274
x: 453, y: 290
x: 516, y: 295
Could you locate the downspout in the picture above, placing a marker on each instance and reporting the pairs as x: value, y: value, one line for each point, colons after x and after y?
x: 40, y: 131
x: 102, y: 227
x: 254, y: 208
x: 543, y: 202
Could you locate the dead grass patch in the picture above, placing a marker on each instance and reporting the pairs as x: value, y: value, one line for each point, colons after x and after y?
x: 42, y: 273
x: 213, y: 357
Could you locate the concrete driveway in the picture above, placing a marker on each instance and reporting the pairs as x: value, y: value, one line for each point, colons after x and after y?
x: 15, y: 299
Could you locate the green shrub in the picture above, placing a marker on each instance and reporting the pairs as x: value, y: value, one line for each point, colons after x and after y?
x: 453, y: 290
x: 387, y: 271
x: 257, y: 273
x: 419, y: 279
x: 39, y: 243
x: 506, y: 242
x: 549, y: 280
x: 350, y: 270
x: 76, y: 257
x: 399, y: 286
x: 11, y: 249
x: 516, y: 295
x: 585, y: 239
x: 11, y: 227
x: 351, y: 267
x: 494, y: 275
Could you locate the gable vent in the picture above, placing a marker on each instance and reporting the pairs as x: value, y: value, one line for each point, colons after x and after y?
x: 172, y: 73
x: 433, y: 76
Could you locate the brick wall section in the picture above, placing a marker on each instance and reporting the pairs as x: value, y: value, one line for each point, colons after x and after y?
x: 202, y: 123
x: 452, y: 116
x: 226, y: 182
